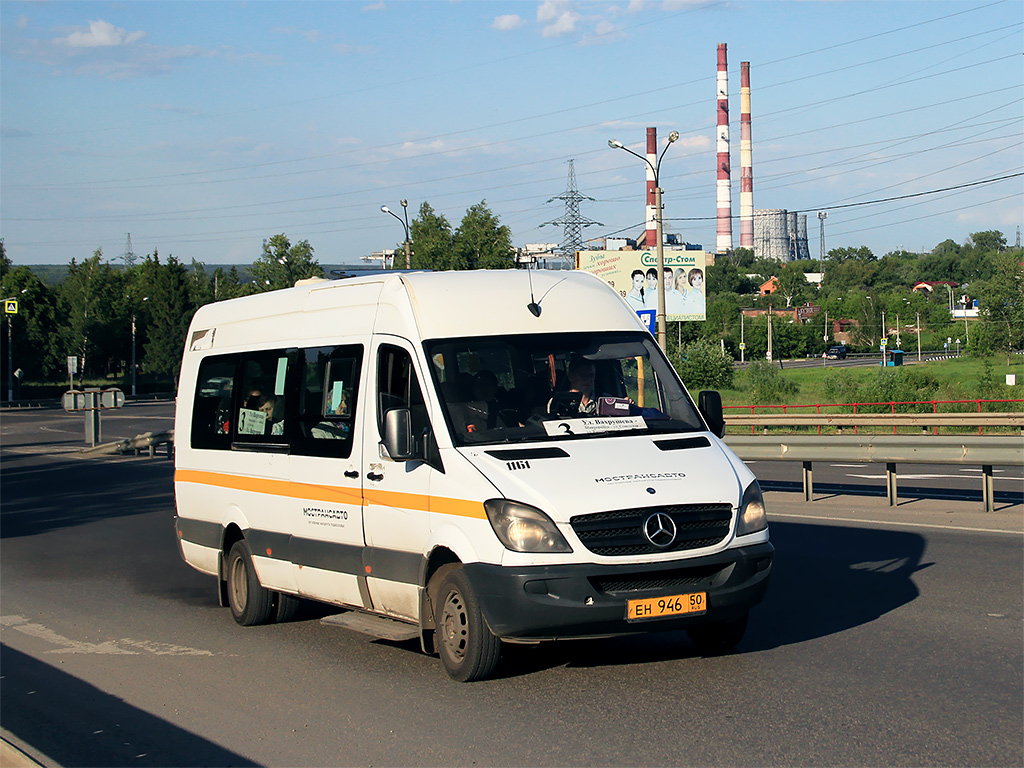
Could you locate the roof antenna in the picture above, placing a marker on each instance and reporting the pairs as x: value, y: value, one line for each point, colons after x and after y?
x: 533, y: 306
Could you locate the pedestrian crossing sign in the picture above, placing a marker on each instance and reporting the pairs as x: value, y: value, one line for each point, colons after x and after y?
x: 11, y: 307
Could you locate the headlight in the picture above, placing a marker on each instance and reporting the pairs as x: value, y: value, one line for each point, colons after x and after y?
x: 522, y: 528
x: 752, y: 515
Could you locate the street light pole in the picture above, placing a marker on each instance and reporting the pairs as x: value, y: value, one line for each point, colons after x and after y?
x: 660, y: 317
x: 405, y: 224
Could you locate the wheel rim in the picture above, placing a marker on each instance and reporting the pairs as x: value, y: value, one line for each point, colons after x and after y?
x: 239, y: 585
x: 454, y: 626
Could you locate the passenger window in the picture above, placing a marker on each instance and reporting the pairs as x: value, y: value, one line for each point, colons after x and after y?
x: 327, y: 401
x: 398, y: 387
x: 211, y: 411
x: 261, y: 405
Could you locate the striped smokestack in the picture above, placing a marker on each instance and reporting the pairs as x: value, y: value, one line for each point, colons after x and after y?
x: 746, y: 162
x: 651, y: 236
x: 724, y: 193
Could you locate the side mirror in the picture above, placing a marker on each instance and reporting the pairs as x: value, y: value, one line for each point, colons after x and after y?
x: 398, y: 434
x: 710, y: 404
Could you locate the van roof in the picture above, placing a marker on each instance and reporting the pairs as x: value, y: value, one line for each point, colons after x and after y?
x: 440, y: 304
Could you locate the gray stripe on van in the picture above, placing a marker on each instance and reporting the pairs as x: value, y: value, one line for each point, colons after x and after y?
x: 199, y: 532
x: 354, y: 559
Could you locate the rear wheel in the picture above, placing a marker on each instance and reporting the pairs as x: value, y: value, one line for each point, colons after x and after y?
x: 285, y: 607
x: 719, y: 637
x: 250, y: 602
x: 468, y: 649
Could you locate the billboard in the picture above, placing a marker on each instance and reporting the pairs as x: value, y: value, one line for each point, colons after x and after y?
x: 634, y: 275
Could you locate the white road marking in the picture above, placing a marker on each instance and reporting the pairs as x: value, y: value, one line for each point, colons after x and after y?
x: 110, y: 647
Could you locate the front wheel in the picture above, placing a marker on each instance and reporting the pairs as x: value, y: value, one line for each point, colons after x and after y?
x: 468, y: 649
x: 250, y: 602
x: 719, y: 637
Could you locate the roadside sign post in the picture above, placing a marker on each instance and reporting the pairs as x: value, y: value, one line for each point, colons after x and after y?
x: 72, y: 370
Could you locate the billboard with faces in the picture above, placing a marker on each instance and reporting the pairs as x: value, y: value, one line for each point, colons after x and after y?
x: 634, y: 275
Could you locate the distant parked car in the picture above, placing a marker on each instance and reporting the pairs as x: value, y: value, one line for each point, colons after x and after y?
x: 837, y: 352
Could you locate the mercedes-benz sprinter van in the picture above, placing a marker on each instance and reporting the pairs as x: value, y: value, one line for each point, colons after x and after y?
x: 470, y: 457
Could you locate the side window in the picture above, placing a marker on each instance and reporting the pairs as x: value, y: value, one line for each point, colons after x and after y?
x: 260, y: 414
x: 211, y: 410
x: 327, y: 401
x: 398, y: 387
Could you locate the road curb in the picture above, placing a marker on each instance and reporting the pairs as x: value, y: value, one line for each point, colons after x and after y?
x: 13, y: 756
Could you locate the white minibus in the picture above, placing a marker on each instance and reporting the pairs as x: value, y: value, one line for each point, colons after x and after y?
x: 470, y: 458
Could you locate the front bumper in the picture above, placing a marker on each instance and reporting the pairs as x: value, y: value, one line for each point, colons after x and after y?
x: 589, y: 600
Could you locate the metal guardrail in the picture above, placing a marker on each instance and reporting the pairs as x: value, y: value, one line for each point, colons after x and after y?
x: 149, y: 441
x: 977, y: 450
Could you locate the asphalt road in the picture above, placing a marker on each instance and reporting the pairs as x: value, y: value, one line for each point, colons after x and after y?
x: 889, y: 637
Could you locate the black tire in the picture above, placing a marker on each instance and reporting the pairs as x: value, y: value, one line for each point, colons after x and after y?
x: 285, y: 607
x: 720, y: 637
x: 465, y: 644
x: 250, y: 602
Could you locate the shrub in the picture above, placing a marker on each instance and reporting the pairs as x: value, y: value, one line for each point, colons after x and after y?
x: 703, y: 365
x: 767, y: 383
x: 840, y: 386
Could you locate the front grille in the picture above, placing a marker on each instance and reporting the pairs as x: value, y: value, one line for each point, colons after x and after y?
x: 620, y: 532
x: 679, y: 578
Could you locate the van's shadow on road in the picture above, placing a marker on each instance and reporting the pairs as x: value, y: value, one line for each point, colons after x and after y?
x: 826, y: 579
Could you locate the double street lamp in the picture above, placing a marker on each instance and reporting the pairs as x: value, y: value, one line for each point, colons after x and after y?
x: 405, y: 223
x: 656, y: 168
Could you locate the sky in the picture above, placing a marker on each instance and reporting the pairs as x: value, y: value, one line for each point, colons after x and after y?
x: 202, y: 129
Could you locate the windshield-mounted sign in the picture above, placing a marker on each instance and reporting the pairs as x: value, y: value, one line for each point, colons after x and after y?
x: 593, y: 426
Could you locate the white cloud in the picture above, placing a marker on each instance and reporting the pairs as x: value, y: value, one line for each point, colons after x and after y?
x: 101, y: 34
x: 22, y: 22
x: 507, y: 22
x: 374, y: 6
x: 312, y: 35
x: 345, y: 49
x: 559, y: 17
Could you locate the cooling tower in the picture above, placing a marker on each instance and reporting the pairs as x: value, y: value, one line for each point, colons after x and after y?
x: 771, y: 234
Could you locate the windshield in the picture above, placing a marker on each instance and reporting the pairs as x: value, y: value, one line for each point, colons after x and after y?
x: 502, y: 389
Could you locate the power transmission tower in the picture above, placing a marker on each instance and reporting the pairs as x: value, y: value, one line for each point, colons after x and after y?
x: 129, y: 255
x: 572, y: 222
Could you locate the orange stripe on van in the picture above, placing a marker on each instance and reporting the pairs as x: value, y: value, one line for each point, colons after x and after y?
x: 372, y: 496
x: 268, y: 486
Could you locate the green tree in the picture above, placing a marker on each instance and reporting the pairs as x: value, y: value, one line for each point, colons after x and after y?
x: 792, y: 283
x: 1001, y: 300
x: 431, y: 236
x: 172, y: 311
x: 840, y: 255
x: 92, y: 303
x: 35, y: 347
x: 282, y: 263
x: 482, y: 242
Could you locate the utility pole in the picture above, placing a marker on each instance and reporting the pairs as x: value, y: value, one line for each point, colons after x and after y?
x: 769, y: 355
x: 822, y: 215
x: 919, y: 337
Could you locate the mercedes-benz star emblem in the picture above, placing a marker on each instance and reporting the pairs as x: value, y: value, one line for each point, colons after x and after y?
x: 660, y: 530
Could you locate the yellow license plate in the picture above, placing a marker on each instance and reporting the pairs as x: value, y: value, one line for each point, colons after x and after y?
x: 664, y: 607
